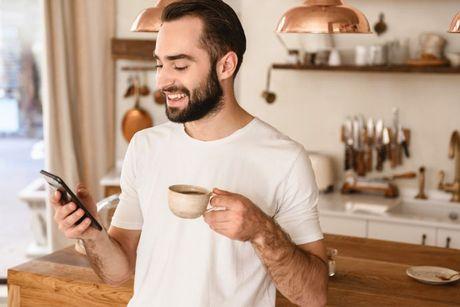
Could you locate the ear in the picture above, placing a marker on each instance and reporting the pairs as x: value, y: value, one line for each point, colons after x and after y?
x: 227, y: 65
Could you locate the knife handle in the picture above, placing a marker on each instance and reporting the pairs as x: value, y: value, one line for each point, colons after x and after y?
x: 380, y: 157
x: 360, y: 163
x: 405, y: 146
x: 394, y: 155
x: 369, y: 161
x: 347, y: 165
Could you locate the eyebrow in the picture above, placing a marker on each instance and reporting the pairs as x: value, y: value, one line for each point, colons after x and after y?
x: 176, y: 57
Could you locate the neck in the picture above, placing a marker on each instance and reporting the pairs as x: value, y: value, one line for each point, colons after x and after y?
x: 227, y: 120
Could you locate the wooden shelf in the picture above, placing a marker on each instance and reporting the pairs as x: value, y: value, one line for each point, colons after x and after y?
x: 133, y: 49
x: 381, y: 69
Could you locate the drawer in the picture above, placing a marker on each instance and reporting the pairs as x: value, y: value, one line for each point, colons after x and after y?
x: 343, y: 226
x: 402, y: 233
x: 448, y: 238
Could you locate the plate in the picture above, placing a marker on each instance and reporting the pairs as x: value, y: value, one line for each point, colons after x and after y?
x: 428, y: 274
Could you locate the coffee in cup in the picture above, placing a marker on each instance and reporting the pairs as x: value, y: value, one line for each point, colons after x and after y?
x: 188, y: 201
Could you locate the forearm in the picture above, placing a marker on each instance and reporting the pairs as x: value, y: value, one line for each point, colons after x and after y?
x: 300, y: 276
x: 108, y: 259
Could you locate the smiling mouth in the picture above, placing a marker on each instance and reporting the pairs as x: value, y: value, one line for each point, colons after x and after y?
x: 175, y: 97
x: 176, y: 100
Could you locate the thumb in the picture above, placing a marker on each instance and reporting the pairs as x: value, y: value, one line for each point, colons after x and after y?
x: 221, y: 192
x: 85, y: 196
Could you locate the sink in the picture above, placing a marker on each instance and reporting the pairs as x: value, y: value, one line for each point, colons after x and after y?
x: 428, y: 209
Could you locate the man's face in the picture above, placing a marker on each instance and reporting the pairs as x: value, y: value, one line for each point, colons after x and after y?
x: 185, y: 73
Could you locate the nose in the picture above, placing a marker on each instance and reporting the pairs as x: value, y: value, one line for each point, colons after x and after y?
x: 163, y: 79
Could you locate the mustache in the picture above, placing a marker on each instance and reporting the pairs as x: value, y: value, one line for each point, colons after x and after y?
x: 175, y: 89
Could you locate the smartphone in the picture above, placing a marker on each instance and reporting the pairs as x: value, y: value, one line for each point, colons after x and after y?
x: 68, y: 196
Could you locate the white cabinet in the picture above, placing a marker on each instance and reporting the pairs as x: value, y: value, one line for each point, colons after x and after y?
x: 448, y: 238
x: 402, y: 233
x: 343, y: 226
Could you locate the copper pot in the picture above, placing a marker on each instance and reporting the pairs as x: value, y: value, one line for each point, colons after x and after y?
x: 135, y: 120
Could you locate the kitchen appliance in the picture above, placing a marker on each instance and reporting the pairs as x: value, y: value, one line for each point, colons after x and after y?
x: 324, y: 172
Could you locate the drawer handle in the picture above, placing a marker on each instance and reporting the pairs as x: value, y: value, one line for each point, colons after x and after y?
x: 448, y: 242
x: 424, y: 239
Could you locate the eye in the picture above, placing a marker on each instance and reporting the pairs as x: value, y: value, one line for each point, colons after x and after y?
x: 181, y: 68
x: 157, y: 66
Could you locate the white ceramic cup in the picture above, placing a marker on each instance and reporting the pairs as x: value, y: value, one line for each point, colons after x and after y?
x: 188, y: 201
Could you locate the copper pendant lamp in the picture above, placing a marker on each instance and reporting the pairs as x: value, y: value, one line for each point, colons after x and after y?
x: 323, y: 16
x: 455, y: 24
x: 149, y: 20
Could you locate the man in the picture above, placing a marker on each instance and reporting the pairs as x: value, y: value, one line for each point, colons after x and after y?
x: 268, y: 233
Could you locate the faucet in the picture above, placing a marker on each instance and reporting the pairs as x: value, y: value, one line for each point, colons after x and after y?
x: 454, y: 153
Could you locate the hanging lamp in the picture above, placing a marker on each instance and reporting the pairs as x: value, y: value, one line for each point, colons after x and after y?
x: 455, y: 24
x: 323, y: 16
x: 149, y: 20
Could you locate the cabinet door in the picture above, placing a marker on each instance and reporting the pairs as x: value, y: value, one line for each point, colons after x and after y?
x: 402, y: 233
x: 343, y: 226
x: 448, y: 238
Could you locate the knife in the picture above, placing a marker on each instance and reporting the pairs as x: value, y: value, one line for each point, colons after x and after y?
x: 348, y: 137
x: 402, y: 140
x: 386, y: 144
x: 379, y: 144
x: 369, y: 143
x: 395, y: 148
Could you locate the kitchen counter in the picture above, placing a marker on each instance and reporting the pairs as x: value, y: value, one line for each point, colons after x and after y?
x: 432, y: 212
x: 369, y: 272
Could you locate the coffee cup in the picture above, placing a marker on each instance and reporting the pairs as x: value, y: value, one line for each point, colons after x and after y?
x: 188, y: 201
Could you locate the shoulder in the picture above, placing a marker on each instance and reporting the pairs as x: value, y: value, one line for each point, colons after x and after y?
x: 155, y: 134
x: 272, y: 140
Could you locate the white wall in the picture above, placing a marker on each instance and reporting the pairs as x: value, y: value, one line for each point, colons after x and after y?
x: 312, y: 105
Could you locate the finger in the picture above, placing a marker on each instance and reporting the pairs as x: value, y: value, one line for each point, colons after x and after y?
x: 65, y: 210
x: 220, y: 201
x: 219, y: 216
x: 56, y: 197
x: 77, y: 231
x: 70, y: 220
x: 82, y: 190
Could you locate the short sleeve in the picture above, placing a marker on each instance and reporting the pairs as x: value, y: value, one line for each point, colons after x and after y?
x: 297, y: 212
x: 128, y: 213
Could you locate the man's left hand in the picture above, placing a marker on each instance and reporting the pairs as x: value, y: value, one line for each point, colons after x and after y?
x: 241, y: 220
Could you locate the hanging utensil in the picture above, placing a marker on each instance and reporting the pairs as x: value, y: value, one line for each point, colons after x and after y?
x: 159, y: 97
x: 380, y: 27
x: 130, y: 90
x: 144, y: 89
x: 136, y: 118
x: 269, y: 97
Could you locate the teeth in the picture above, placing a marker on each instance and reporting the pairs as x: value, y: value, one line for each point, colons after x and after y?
x: 176, y: 96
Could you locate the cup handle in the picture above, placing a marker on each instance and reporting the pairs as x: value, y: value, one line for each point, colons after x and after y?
x: 210, y: 208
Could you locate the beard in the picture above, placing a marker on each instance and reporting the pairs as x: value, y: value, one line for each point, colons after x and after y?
x: 204, y: 100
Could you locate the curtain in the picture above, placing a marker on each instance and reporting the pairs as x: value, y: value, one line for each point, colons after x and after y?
x: 79, y: 108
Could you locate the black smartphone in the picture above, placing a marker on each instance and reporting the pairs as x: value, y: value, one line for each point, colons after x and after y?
x: 68, y: 196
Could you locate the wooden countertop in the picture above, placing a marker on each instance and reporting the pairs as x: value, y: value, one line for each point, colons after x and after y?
x: 369, y: 272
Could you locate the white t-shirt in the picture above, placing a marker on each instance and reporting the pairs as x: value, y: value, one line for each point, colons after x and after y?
x: 182, y: 262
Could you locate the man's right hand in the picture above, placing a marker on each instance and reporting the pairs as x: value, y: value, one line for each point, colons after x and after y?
x: 66, y: 215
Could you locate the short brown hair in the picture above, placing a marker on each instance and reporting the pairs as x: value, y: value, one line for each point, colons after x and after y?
x: 222, y: 31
